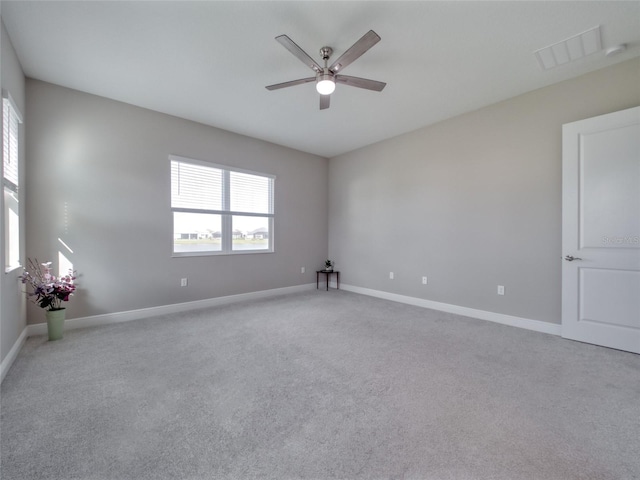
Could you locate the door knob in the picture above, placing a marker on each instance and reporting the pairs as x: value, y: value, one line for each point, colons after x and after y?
x: 570, y: 258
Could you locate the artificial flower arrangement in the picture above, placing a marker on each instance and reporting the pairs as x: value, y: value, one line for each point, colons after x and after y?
x: 49, y: 291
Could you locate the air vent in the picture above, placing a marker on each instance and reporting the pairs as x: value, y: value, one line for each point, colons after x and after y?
x: 570, y: 49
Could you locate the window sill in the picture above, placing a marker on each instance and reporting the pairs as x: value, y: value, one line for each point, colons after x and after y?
x: 11, y: 269
x: 217, y: 254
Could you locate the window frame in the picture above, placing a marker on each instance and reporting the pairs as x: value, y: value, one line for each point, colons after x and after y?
x: 11, y: 229
x: 225, y: 212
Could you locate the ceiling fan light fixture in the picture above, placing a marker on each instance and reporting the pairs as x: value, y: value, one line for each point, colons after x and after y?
x: 326, y: 84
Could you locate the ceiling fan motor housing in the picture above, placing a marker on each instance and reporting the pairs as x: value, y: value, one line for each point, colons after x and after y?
x: 325, y: 83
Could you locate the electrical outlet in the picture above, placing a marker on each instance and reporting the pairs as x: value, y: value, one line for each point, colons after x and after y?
x: 302, y: 269
x: 500, y: 289
x: 390, y: 275
x: 183, y: 282
x: 424, y: 280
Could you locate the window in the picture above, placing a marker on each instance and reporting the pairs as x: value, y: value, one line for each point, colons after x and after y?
x: 220, y: 210
x: 10, y: 181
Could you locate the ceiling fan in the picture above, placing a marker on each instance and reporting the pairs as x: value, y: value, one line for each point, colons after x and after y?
x: 326, y: 77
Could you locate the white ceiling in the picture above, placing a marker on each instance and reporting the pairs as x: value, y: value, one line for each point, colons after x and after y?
x: 209, y: 61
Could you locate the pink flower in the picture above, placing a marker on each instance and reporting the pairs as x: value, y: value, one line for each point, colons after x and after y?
x: 49, y: 291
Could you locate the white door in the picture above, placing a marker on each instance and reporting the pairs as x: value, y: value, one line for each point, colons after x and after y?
x: 601, y: 230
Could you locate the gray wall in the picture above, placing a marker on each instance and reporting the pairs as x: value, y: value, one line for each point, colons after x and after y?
x: 12, y: 316
x: 472, y: 202
x: 98, y: 179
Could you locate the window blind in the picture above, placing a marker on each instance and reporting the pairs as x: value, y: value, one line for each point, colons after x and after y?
x: 250, y: 193
x: 196, y: 186
x: 10, y: 125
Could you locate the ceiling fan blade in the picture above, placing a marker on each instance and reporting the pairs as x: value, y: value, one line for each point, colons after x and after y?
x: 360, y: 82
x: 324, y: 101
x: 291, y: 83
x: 290, y: 45
x: 367, y: 41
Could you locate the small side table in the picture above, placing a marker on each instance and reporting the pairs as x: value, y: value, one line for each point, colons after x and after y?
x: 328, y: 275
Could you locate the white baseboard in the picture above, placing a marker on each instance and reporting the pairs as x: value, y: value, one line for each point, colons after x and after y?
x: 13, y: 353
x: 535, y: 325
x: 126, y: 316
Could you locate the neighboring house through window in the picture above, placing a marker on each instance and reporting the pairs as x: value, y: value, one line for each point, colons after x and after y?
x: 220, y: 210
x: 11, y: 121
